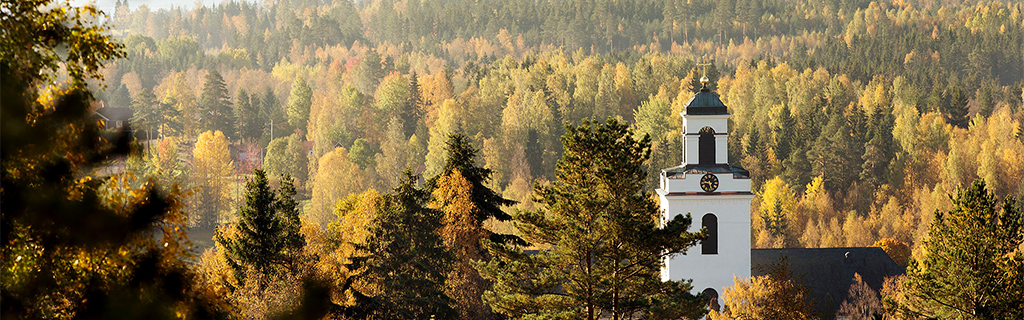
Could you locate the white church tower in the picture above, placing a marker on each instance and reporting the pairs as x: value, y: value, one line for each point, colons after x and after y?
x: 715, y: 194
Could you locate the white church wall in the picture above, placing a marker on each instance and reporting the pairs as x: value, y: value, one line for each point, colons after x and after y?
x: 722, y: 149
x: 693, y: 123
x: 691, y: 183
x: 733, y: 258
x: 729, y: 203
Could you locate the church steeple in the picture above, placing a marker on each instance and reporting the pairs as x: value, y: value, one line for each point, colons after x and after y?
x: 705, y: 128
x: 713, y: 192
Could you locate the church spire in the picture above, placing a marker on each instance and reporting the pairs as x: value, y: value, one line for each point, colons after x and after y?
x: 704, y: 72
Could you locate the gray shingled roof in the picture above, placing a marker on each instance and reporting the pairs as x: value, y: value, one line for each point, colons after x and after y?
x: 115, y: 114
x: 705, y: 102
x: 828, y: 272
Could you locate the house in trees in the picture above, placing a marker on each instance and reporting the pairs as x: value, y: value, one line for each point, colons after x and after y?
x: 112, y: 117
x: 718, y: 196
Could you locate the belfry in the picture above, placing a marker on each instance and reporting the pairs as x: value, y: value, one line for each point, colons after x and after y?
x: 717, y: 196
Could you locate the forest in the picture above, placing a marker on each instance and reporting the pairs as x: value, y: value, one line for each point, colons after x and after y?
x: 376, y: 152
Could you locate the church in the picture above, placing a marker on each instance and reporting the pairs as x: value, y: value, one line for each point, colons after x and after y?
x: 718, y: 197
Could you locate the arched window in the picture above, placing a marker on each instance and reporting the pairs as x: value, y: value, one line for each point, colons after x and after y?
x: 706, y: 146
x: 710, y: 246
x: 711, y: 297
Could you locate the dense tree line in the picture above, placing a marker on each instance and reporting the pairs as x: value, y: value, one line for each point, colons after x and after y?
x: 875, y: 37
x: 856, y: 119
x: 835, y: 105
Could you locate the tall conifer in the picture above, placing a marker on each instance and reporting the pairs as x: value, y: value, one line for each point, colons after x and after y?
x: 601, y: 229
x: 462, y: 157
x: 256, y: 244
x: 267, y: 237
x: 288, y: 213
x: 215, y: 106
x: 407, y: 263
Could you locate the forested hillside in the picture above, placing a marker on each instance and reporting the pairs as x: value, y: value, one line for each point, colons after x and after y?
x: 855, y: 118
x: 392, y: 159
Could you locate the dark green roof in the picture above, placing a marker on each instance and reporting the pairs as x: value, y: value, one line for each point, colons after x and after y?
x: 705, y: 102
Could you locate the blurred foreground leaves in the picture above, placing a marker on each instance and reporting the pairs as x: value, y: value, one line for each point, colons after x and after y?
x: 77, y: 245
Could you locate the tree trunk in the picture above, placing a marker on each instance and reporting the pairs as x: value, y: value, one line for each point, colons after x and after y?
x: 615, y: 288
x: 590, y: 290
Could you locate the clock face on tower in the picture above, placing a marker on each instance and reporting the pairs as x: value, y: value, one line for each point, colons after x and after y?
x: 709, y: 182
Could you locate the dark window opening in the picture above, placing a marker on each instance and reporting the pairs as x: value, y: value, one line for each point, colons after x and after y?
x: 710, y: 246
x: 706, y: 146
x: 711, y: 297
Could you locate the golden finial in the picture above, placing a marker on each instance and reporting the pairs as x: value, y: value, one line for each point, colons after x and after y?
x: 704, y: 70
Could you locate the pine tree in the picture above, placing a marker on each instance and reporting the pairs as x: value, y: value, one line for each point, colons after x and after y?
x: 407, y: 262
x: 972, y: 266
x: 461, y: 193
x: 368, y: 73
x: 147, y: 113
x: 250, y: 125
x: 834, y: 153
x: 298, y: 161
x: 784, y: 134
x: 878, y: 151
x: 985, y: 100
x: 273, y: 117
x: 602, y: 230
x: 215, y: 109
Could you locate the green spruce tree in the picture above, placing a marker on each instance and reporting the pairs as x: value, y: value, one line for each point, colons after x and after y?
x: 412, y: 111
x: 407, y: 263
x: 249, y: 124
x: 954, y: 103
x: 293, y: 241
x: 266, y: 238
x: 256, y: 245
x: 148, y: 113
x: 467, y: 206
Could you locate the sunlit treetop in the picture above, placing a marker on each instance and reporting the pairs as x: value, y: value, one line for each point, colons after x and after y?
x: 49, y: 40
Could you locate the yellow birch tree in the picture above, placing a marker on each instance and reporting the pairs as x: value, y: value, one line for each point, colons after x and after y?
x: 211, y: 169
